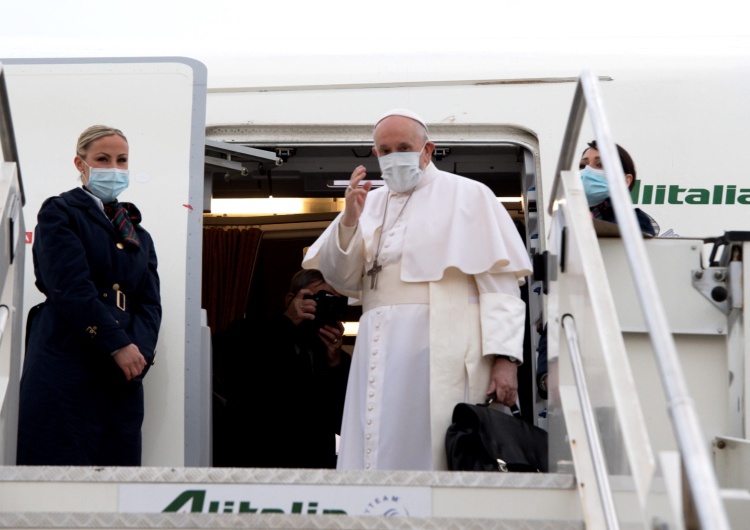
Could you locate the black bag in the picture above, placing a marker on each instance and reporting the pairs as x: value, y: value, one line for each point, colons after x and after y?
x: 484, y: 439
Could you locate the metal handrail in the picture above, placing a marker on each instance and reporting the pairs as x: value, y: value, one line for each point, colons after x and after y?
x: 589, y: 422
x: 7, y: 135
x: 702, y: 481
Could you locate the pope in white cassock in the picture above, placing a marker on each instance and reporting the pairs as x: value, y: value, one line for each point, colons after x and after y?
x: 437, y: 262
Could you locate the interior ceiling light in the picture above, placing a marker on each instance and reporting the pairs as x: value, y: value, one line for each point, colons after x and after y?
x: 268, y: 206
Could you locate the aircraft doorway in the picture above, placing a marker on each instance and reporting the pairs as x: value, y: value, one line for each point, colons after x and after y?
x: 314, y: 174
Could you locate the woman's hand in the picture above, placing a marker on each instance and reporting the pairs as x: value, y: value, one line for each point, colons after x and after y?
x: 130, y: 360
x: 355, y: 197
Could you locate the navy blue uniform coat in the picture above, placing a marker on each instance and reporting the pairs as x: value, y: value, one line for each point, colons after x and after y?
x: 76, y: 407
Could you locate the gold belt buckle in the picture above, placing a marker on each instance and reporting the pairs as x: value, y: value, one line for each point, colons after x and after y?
x: 120, y: 300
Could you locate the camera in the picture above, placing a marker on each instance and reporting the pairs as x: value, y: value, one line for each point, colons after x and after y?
x: 330, y: 309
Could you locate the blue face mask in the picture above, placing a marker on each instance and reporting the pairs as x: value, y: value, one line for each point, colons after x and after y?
x: 595, y: 185
x: 107, y: 182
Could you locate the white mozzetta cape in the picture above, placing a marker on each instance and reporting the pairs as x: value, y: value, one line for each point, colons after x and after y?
x: 453, y: 222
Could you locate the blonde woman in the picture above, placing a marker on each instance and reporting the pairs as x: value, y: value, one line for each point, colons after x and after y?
x: 93, y: 339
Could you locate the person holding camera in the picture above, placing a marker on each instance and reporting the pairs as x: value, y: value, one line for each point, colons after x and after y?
x: 314, y: 309
x: 286, y: 379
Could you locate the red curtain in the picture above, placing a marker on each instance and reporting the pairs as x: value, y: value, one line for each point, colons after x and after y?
x: 229, y: 256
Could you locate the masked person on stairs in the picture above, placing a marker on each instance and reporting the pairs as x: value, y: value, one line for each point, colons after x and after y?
x: 596, y: 187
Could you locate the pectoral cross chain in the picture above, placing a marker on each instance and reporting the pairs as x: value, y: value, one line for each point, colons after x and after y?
x: 376, y: 267
x: 373, y: 274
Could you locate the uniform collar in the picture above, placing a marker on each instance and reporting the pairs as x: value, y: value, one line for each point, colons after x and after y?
x: 97, y: 200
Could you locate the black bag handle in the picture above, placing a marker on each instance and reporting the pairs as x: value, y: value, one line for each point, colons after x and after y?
x: 513, y: 409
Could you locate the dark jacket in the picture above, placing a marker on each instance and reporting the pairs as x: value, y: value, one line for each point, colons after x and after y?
x: 76, y: 408
x: 284, y: 402
x: 606, y: 212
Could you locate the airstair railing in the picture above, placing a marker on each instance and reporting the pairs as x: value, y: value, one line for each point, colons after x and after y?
x: 7, y: 137
x: 702, y: 482
x: 609, y: 512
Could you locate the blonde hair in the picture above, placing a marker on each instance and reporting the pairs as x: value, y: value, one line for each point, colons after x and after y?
x: 92, y: 134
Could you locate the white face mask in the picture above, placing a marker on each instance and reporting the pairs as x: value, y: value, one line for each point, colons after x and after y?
x: 401, y: 171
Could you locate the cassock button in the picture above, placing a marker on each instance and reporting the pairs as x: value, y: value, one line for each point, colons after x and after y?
x: 367, y: 466
x: 369, y: 422
x: 372, y: 380
x: 369, y: 436
x: 374, y: 351
x: 369, y: 407
x: 372, y: 394
x: 369, y: 451
x: 120, y: 246
x: 372, y: 367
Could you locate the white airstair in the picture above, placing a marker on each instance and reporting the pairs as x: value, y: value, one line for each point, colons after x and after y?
x: 12, y: 254
x: 650, y: 374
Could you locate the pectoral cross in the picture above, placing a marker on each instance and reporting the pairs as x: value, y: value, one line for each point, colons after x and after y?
x: 373, y: 274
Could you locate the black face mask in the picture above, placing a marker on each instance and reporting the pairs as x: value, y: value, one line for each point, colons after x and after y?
x: 329, y: 309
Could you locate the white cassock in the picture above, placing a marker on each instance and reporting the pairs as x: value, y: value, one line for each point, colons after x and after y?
x: 446, y: 301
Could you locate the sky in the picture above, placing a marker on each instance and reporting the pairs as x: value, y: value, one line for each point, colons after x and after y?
x: 79, y: 28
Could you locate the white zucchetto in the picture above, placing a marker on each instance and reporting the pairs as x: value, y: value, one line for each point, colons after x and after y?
x: 406, y: 113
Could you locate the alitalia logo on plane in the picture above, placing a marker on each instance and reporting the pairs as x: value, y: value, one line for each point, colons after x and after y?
x: 300, y: 499
x: 719, y: 194
x: 195, y: 502
x: 388, y: 504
